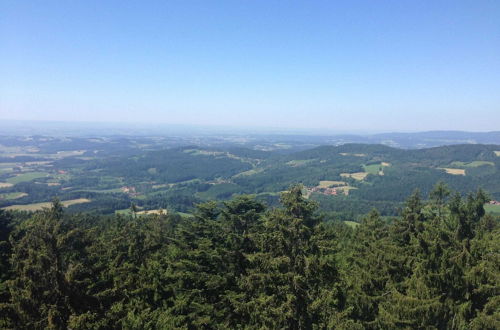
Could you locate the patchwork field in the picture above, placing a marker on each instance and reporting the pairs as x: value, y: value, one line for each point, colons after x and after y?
x: 25, y: 177
x: 39, y: 206
x: 453, y: 171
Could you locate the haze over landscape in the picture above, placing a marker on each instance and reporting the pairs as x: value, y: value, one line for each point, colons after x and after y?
x: 250, y: 165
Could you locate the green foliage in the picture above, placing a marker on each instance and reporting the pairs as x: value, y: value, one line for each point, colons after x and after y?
x: 239, y: 264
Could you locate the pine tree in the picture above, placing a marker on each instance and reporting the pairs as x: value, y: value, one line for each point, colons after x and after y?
x: 286, y: 281
x: 50, y: 272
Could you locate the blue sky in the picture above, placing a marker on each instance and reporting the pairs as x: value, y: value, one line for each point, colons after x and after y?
x: 336, y: 65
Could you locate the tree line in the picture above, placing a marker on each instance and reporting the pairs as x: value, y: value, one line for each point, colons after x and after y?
x: 239, y: 264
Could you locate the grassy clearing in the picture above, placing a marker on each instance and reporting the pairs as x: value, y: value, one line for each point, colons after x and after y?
x: 357, y: 176
x: 25, y: 177
x: 163, y: 185
x: 198, y: 152
x: 5, y: 170
x: 346, y: 188
x: 123, y: 211
x: 5, y: 185
x: 376, y: 169
x: 453, y: 171
x: 249, y: 172
x: 270, y: 193
x: 489, y: 208
x: 351, y: 224
x: 14, y: 195
x: 475, y: 163
x: 373, y: 168
x: 7, y: 165
x: 185, y: 215
x: 328, y: 184
x: 69, y: 153
x: 39, y: 206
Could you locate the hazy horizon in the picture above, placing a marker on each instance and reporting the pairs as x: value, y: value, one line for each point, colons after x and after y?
x: 46, y: 127
x: 344, y: 67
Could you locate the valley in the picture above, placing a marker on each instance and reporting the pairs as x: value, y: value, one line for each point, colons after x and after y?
x: 155, y: 173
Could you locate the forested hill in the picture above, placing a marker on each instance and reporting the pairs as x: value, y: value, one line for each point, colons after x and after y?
x: 241, y: 265
x: 348, y: 180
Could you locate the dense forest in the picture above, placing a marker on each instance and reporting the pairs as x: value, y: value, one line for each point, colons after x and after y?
x: 239, y: 264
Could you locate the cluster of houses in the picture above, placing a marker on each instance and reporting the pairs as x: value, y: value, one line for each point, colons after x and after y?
x: 494, y: 203
x: 129, y: 190
x: 329, y: 191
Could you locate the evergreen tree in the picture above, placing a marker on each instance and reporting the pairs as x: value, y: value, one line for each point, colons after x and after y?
x: 51, y: 273
x: 285, y: 281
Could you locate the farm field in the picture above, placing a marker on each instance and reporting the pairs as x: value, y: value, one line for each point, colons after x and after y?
x: 14, y: 195
x: 249, y: 172
x: 103, y: 191
x: 25, y: 177
x: 489, y: 208
x: 328, y: 184
x: 39, y: 206
x: 5, y: 169
x: 349, y: 154
x: 185, y: 215
x: 143, y: 212
x: 183, y: 176
x: 373, y: 168
x: 344, y: 188
x: 475, y: 163
x: 453, y: 171
x: 357, y: 176
x: 352, y: 224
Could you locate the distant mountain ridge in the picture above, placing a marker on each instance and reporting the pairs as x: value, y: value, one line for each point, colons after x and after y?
x: 436, y: 138
x: 261, y: 139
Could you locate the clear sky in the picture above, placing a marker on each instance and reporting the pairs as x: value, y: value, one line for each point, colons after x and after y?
x: 340, y: 65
